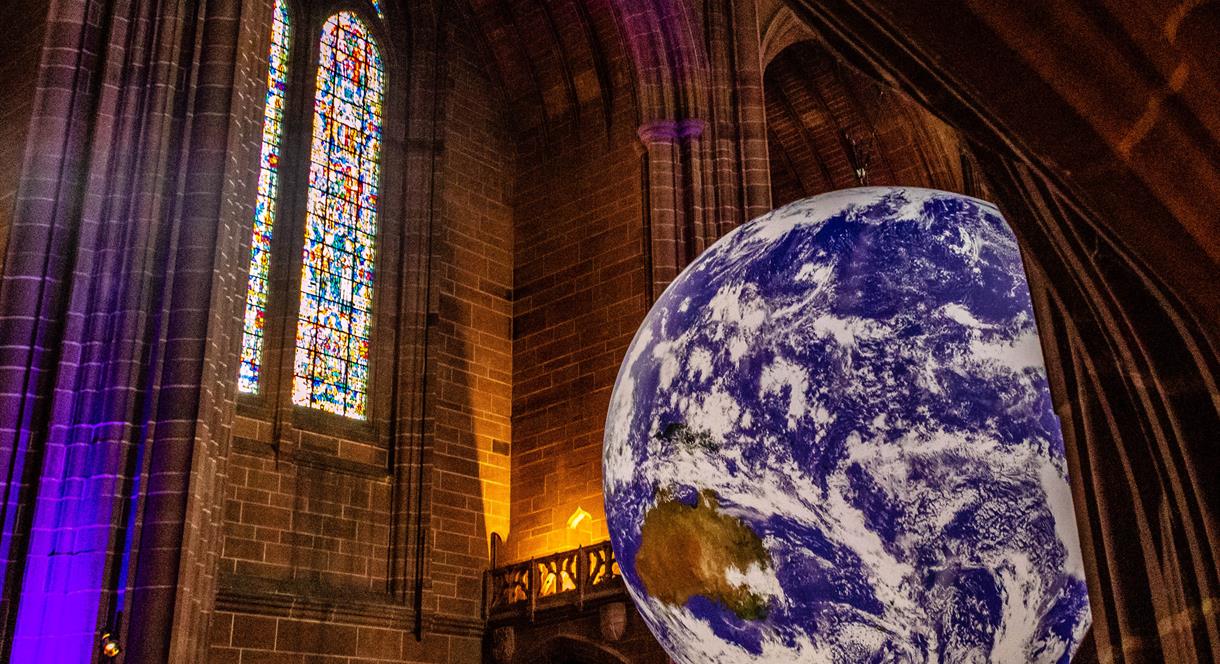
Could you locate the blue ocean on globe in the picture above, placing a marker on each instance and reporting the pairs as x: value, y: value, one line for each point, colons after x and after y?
x: 832, y: 440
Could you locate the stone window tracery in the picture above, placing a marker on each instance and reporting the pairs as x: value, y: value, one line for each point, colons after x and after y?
x: 331, y: 367
x: 341, y: 178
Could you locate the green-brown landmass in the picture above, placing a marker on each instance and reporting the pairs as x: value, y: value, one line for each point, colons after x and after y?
x: 685, y: 551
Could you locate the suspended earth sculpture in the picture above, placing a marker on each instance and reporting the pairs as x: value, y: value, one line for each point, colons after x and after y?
x: 832, y: 441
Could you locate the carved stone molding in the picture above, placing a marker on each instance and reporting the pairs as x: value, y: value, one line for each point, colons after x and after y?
x: 612, y: 619
x: 310, y: 601
x: 670, y: 131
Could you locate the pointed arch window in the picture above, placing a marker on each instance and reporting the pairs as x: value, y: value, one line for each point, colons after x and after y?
x: 331, y: 366
x: 255, y: 325
x: 341, y: 187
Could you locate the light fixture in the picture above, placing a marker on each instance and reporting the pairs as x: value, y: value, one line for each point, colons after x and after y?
x: 110, y: 647
x: 577, y: 518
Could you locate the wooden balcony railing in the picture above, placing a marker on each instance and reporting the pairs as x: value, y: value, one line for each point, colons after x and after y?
x: 567, y: 578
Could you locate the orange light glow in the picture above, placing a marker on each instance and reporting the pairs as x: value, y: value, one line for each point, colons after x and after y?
x: 577, y: 518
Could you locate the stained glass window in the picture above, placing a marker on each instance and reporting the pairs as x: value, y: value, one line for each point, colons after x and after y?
x: 331, y: 367
x: 265, y: 205
x: 377, y: 6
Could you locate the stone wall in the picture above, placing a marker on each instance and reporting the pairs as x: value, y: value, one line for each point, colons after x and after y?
x: 578, y: 299
x: 322, y: 527
x: 17, y: 78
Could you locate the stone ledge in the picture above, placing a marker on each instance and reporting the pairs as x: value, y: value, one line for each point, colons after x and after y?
x: 311, y: 459
x: 320, y: 602
x: 310, y: 600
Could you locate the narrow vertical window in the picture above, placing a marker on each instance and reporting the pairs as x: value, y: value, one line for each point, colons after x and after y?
x: 377, y: 8
x: 331, y: 367
x: 265, y: 206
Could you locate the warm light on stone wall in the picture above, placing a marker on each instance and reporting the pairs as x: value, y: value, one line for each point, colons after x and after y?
x: 579, y: 516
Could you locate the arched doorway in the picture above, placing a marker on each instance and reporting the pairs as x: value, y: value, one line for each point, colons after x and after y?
x: 567, y: 649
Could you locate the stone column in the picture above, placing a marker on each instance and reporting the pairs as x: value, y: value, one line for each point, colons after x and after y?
x: 119, y: 310
x: 674, y: 190
x: 751, y: 110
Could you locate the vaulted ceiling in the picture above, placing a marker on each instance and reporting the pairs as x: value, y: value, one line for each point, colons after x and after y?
x: 556, y: 59
x: 568, y: 63
x: 1115, y: 98
x: 830, y: 127
x: 1133, y: 117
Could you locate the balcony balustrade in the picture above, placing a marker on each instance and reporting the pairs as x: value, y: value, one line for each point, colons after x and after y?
x: 564, y: 579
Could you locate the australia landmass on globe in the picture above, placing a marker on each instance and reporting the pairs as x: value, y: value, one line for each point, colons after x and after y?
x: 694, y: 550
x: 832, y: 440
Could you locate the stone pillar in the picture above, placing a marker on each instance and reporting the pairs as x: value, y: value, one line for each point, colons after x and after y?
x: 738, y: 113
x: 118, y: 314
x: 674, y: 189
x: 751, y: 109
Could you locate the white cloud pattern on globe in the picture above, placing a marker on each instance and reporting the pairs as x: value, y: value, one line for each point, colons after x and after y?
x: 832, y: 440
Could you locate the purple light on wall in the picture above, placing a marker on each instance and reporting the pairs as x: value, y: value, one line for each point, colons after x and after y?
x: 64, y: 589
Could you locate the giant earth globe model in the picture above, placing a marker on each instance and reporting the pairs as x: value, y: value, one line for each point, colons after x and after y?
x: 832, y: 440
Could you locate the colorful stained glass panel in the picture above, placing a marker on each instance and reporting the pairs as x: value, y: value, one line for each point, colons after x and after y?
x: 333, y: 326
x: 265, y: 205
